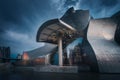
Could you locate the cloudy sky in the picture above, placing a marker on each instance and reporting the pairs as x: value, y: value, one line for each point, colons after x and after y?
x: 20, y: 19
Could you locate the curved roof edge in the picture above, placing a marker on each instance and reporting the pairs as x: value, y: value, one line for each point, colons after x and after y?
x: 49, y: 22
x: 78, y: 19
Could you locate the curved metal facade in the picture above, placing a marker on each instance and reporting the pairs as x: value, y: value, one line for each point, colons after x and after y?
x: 49, y: 31
x: 79, y: 19
x: 42, y: 51
x: 100, y: 39
x: 101, y: 34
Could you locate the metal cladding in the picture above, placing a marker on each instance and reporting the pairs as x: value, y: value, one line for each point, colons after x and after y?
x: 51, y: 30
x: 46, y: 49
x: 116, y: 18
x: 73, y: 24
x: 79, y: 19
x: 100, y: 35
x: 77, y: 24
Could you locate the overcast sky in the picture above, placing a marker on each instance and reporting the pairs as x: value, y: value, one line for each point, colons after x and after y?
x: 20, y: 19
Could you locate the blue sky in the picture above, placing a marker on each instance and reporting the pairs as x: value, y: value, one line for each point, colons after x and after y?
x: 20, y: 19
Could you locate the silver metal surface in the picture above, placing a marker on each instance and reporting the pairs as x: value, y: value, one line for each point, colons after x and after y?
x: 42, y: 51
x: 101, y: 37
x: 48, y: 32
x: 78, y: 19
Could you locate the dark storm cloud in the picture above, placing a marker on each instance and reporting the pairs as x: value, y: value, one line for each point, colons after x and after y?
x: 21, y: 12
x: 101, y: 8
x: 97, y: 8
x: 70, y: 3
x: 19, y: 21
x: 109, y: 3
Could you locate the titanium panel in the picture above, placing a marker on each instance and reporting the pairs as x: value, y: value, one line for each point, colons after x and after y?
x: 50, y: 31
x: 42, y: 51
x: 79, y: 19
x: 101, y: 37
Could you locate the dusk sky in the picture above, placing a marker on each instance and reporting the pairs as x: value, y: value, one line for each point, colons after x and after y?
x: 20, y: 19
